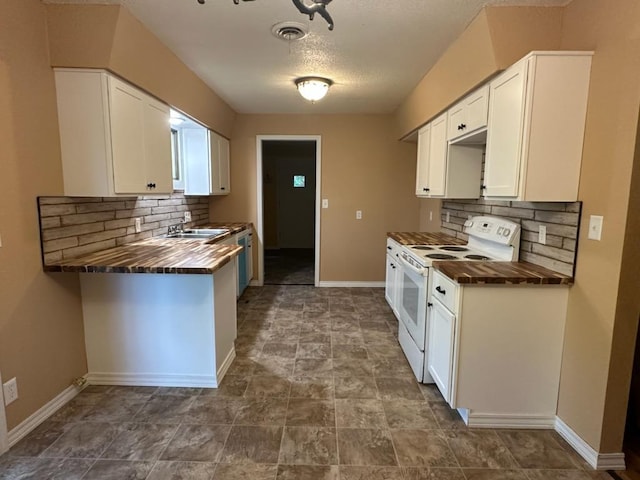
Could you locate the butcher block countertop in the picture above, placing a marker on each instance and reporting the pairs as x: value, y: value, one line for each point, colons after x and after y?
x: 158, y: 255
x: 424, y: 238
x: 496, y: 273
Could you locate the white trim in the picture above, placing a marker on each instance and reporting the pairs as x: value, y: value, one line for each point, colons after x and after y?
x: 224, y: 368
x: 492, y: 420
x: 260, y: 200
x: 255, y: 283
x: 152, y: 380
x: 4, y: 442
x: 351, y: 284
x: 599, y: 461
x: 40, y: 415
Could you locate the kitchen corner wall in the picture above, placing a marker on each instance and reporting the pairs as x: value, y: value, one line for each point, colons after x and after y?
x: 561, y: 219
x: 73, y: 226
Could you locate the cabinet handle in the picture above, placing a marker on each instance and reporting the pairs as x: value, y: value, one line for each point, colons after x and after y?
x: 221, y: 188
x: 388, y: 248
x: 483, y: 187
x: 425, y: 189
x: 429, y: 304
x: 460, y: 127
x: 151, y: 185
x: 440, y: 290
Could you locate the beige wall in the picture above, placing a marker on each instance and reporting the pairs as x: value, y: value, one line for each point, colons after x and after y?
x: 109, y: 37
x: 604, y: 302
x: 41, y: 333
x: 496, y: 38
x: 363, y: 168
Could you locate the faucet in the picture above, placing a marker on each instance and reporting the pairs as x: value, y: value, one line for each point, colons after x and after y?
x: 175, y: 228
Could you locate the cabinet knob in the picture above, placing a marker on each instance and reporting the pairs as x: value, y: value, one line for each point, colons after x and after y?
x: 222, y: 188
x: 429, y: 304
x: 439, y: 289
x: 388, y: 248
x: 483, y: 187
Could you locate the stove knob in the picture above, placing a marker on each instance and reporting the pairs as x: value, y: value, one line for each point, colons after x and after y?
x: 507, y: 232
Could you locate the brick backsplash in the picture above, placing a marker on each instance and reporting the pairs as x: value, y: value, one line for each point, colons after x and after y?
x: 73, y: 226
x: 561, y: 219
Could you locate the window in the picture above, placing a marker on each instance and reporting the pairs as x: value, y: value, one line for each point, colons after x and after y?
x: 299, y: 181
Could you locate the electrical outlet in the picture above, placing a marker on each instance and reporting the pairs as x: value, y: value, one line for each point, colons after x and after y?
x: 325, y: 203
x: 138, y: 225
x: 358, y: 214
x: 10, y: 390
x: 187, y: 216
x: 595, y: 227
x: 430, y: 216
x: 542, y: 235
x: 448, y: 217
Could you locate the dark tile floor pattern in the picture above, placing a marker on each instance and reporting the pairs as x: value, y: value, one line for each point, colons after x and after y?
x: 319, y: 391
x: 289, y: 266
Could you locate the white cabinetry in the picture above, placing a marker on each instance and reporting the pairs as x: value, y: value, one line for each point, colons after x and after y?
x: 445, y: 170
x: 537, y: 111
x: 496, y: 350
x: 115, y: 139
x: 206, y: 162
x: 392, y: 281
x: 469, y: 116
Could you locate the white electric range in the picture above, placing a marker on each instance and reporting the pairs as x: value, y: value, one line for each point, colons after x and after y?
x: 490, y: 239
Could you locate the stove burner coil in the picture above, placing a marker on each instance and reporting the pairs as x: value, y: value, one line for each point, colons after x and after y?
x: 441, y: 256
x: 476, y: 257
x: 422, y: 247
x: 454, y: 249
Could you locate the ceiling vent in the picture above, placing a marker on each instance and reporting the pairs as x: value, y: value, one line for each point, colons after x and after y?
x: 289, y: 31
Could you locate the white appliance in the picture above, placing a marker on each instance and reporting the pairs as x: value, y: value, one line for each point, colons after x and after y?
x: 490, y: 239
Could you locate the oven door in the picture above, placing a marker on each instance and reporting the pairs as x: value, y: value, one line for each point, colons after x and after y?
x: 412, y: 302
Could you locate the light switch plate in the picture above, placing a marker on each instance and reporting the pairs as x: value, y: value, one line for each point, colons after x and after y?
x: 358, y: 214
x: 10, y: 391
x: 595, y: 227
x: 542, y: 235
x: 325, y: 203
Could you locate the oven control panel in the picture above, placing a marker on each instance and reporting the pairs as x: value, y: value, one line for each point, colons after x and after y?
x: 498, y: 230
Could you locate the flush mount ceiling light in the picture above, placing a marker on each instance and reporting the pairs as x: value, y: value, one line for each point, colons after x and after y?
x: 306, y: 7
x: 313, y: 88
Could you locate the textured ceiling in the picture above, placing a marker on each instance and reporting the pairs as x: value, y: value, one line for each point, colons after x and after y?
x: 377, y: 53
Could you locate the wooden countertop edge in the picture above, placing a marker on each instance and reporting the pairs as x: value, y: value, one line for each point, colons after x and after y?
x: 527, y: 273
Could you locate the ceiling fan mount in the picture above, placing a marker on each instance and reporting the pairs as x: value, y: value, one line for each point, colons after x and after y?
x: 306, y: 7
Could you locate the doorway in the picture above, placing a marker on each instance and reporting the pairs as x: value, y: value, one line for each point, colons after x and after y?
x: 288, y: 199
x: 631, y: 446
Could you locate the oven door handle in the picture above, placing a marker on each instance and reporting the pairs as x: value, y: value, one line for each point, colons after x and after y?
x: 417, y: 271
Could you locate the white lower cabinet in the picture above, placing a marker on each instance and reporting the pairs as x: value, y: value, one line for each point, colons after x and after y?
x: 442, y: 324
x: 496, y: 350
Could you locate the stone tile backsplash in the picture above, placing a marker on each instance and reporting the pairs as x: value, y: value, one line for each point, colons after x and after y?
x: 561, y: 219
x: 74, y: 226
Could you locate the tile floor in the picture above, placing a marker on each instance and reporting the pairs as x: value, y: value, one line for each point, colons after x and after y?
x: 319, y: 391
x: 289, y: 266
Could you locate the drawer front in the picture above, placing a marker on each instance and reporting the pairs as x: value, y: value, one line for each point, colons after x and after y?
x: 393, y: 248
x: 445, y: 290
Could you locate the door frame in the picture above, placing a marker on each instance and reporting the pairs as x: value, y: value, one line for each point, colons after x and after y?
x: 4, y: 434
x: 260, y: 199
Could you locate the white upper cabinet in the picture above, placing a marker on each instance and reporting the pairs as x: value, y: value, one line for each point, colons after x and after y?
x: 469, y: 116
x: 445, y: 170
x: 115, y: 139
x: 206, y: 162
x: 537, y: 111
x: 432, y: 158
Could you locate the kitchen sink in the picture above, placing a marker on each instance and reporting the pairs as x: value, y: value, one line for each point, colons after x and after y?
x: 194, y: 233
x: 207, y: 231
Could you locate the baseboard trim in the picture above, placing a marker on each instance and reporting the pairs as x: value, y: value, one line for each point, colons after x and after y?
x: 152, y: 380
x: 490, y: 420
x: 599, y: 461
x: 224, y: 368
x: 351, y: 284
x: 40, y: 415
x: 255, y: 283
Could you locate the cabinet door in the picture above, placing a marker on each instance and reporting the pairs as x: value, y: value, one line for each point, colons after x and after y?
x: 422, y: 168
x: 224, y: 166
x: 476, y: 108
x: 504, y: 135
x: 127, y: 120
x: 457, y: 121
x: 195, y: 145
x: 440, y: 347
x: 438, y: 156
x: 157, y: 146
